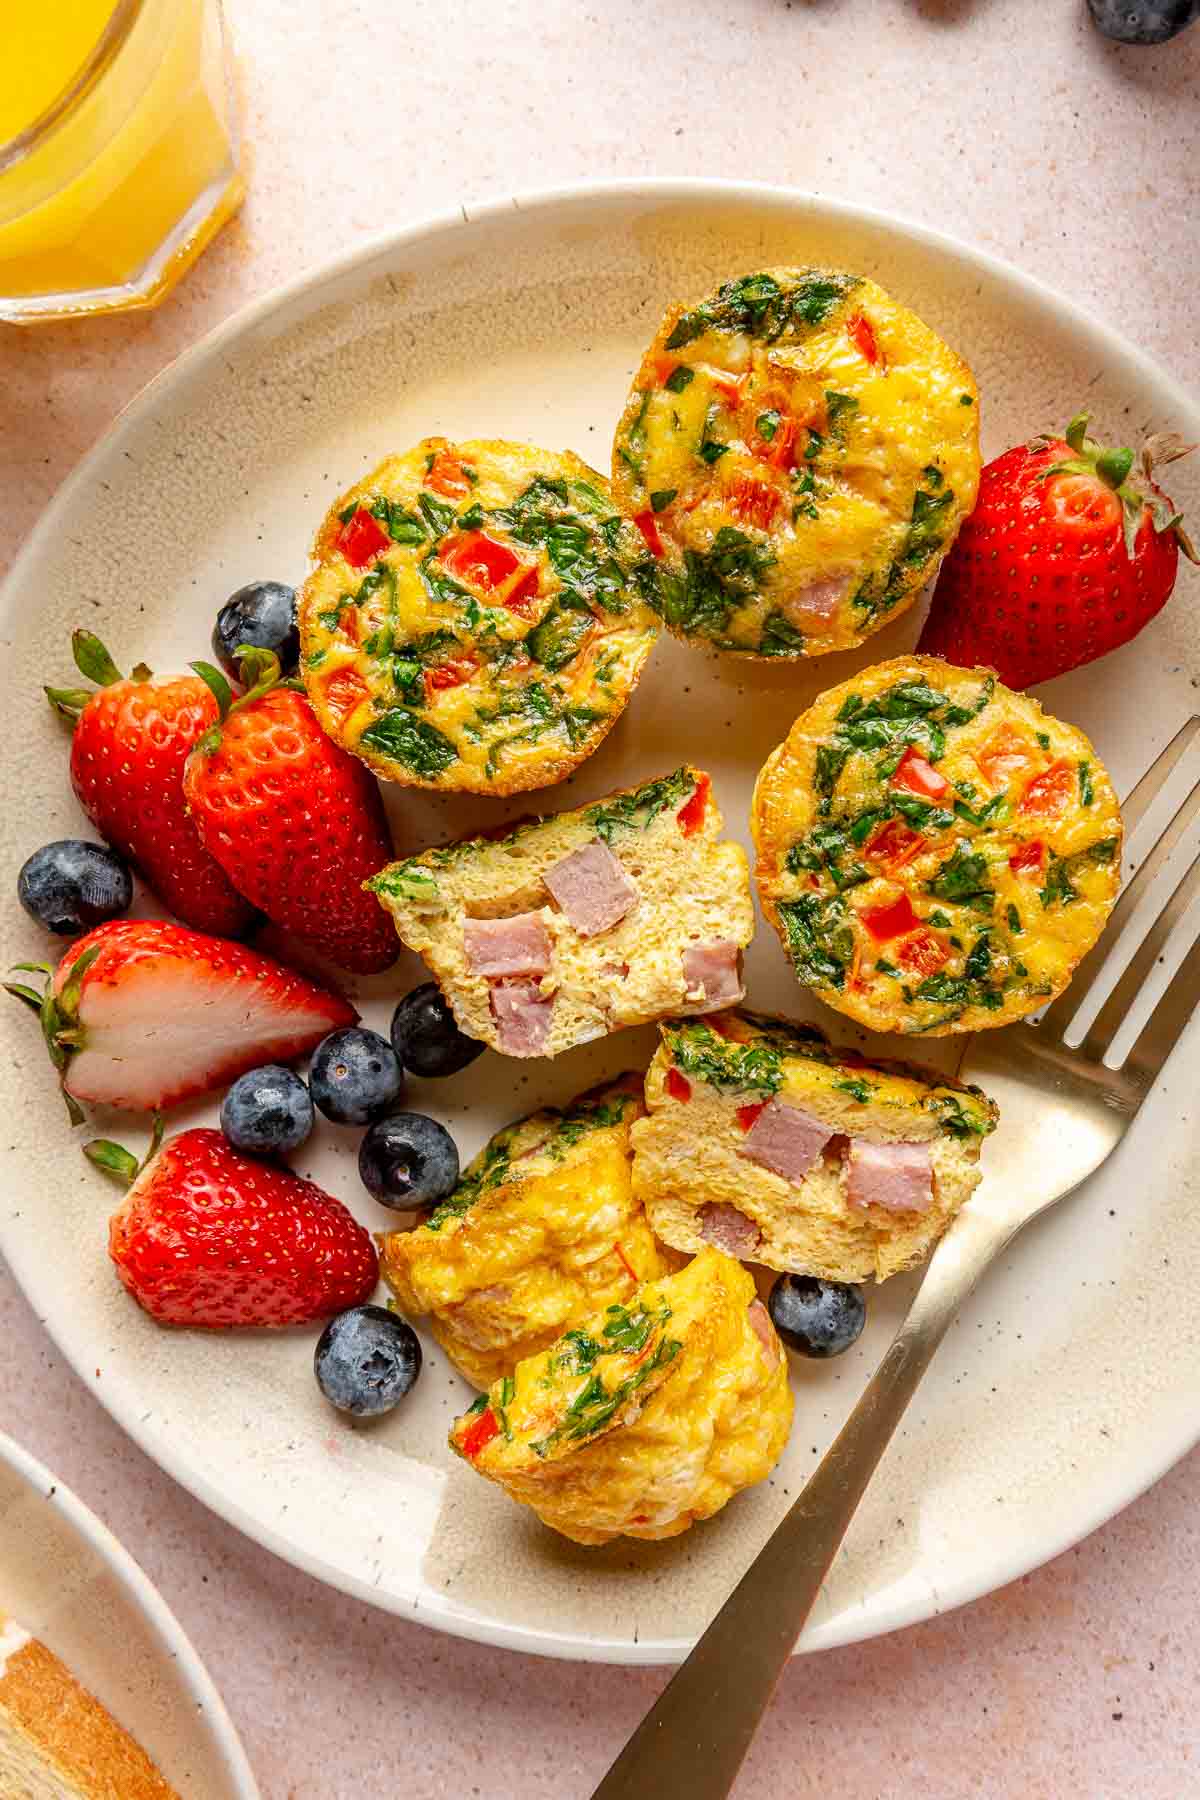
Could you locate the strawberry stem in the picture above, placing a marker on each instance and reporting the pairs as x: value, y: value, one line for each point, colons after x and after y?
x: 115, y: 1160
x: 93, y: 660
x: 217, y: 686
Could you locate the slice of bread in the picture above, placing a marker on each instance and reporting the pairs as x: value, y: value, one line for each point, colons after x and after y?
x: 542, y: 1229
x: 56, y: 1740
x: 642, y: 1418
x: 764, y: 1138
x: 571, y: 927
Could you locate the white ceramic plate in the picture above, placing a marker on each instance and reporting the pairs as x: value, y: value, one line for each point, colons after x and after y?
x: 67, y: 1579
x: 1069, y: 1383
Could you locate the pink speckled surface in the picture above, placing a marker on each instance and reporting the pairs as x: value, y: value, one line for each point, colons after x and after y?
x: 1074, y: 159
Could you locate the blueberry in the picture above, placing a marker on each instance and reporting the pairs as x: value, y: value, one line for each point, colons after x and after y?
x: 1143, y: 21
x: 355, y: 1076
x: 366, y: 1360
x: 818, y: 1318
x: 264, y: 614
x: 408, y: 1161
x: 71, y: 885
x: 266, y: 1111
x: 425, y: 1036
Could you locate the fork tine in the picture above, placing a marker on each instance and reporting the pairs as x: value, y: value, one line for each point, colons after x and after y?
x: 1058, y: 1017
x: 1166, y: 1024
x: 1141, y: 967
x: 1133, y: 808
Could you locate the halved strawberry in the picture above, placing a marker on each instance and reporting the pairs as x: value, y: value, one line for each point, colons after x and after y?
x: 295, y: 821
x: 142, y: 1014
x: 212, y: 1238
x: 130, y: 743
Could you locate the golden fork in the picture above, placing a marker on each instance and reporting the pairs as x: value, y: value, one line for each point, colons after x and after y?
x: 1063, y: 1111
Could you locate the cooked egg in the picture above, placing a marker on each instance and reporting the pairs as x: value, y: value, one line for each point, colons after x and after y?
x: 798, y: 451
x: 644, y: 1417
x: 936, y: 852
x: 542, y: 1229
x: 471, y: 622
x: 764, y: 1139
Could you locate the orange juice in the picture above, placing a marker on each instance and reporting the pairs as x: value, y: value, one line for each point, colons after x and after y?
x: 118, y: 152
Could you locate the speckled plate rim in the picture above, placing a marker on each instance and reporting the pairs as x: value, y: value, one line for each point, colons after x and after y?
x: 145, y: 1598
x: 881, y: 1616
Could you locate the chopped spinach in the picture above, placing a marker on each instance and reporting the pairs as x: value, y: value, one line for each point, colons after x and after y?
x: 699, y: 1051
x: 679, y: 378
x: 713, y: 584
x: 638, y: 809
x: 1087, y: 793
x: 764, y: 307
x: 413, y: 742
x: 560, y: 636
x: 661, y: 498
x: 1060, y: 889
x: 820, y: 939
x: 779, y: 637
x: 839, y: 410
x: 408, y: 881
x: 857, y: 1089
x: 964, y: 874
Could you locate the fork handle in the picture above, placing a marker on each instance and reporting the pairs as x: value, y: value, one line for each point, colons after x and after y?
x: 692, y: 1742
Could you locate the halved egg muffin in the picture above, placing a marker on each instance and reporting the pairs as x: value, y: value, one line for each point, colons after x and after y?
x: 471, y: 622
x: 569, y: 927
x: 643, y: 1417
x: 936, y: 852
x: 766, y: 1140
x: 799, y: 451
x: 542, y: 1229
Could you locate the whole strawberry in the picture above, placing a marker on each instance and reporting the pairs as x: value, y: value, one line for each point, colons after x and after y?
x: 209, y: 1237
x: 130, y: 743
x: 294, y: 820
x: 1069, y: 552
x: 142, y: 1014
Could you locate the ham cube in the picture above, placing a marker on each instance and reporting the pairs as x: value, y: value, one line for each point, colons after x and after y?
x: 522, y: 1014
x: 764, y: 1331
x: 728, y: 1228
x: 592, y: 888
x: 785, y: 1140
x: 816, y: 604
x: 714, y: 972
x: 516, y: 946
x: 898, y: 1177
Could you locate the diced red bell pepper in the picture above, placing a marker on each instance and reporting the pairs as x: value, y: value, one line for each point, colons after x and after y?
x: 447, y: 476
x: 625, y: 1263
x: 1049, y: 794
x: 917, y: 776
x: 753, y: 502
x: 862, y: 335
x: 677, y: 1085
x: 779, y: 451
x: 479, y: 1433
x: 923, y: 952
x: 1028, y: 858
x: 345, y: 690
x: 451, y: 674
x: 746, y: 1115
x: 893, y: 844
x: 890, y: 921
x: 362, y: 538
x: 664, y: 367
x: 647, y: 524
x: 731, y: 388
x: 1005, y: 752
x: 479, y: 560
x: 522, y: 591
x: 691, y: 813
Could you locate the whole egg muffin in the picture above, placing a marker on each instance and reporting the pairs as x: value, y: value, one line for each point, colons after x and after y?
x: 471, y: 622
x: 798, y: 451
x: 936, y: 852
x: 644, y: 1417
x: 542, y: 1229
x: 569, y: 927
x: 764, y: 1139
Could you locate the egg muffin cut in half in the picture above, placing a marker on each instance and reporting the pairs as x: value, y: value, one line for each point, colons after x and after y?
x: 471, y: 623
x: 935, y: 851
x: 766, y: 1140
x: 542, y: 1229
x: 798, y: 451
x: 643, y: 1417
x: 576, y: 925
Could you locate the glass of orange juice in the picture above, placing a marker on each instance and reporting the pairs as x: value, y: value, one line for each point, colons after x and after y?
x: 118, y: 150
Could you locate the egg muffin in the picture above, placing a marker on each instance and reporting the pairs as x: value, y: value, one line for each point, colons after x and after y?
x: 935, y: 851
x: 799, y: 451
x: 541, y: 1230
x: 576, y: 925
x: 471, y: 622
x: 643, y: 1417
x: 765, y: 1140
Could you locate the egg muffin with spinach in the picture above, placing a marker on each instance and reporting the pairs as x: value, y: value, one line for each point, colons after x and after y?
x: 798, y: 452
x: 542, y: 1229
x: 763, y: 1138
x: 936, y: 852
x: 471, y: 623
x: 644, y: 1417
